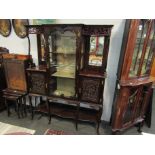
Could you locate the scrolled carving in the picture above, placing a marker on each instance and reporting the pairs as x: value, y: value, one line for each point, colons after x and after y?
x: 90, y: 30
x: 90, y: 90
x: 34, y: 30
x: 38, y: 83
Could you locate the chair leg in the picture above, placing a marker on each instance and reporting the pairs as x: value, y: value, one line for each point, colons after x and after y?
x: 76, y: 124
x: 18, y: 108
x: 8, y: 108
x: 21, y: 106
x: 25, y: 112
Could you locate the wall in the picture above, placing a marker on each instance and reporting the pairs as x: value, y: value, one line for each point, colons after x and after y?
x: 17, y: 45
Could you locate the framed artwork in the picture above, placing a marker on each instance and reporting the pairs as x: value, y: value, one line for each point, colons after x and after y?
x: 43, y: 21
x: 19, y: 27
x: 5, y: 27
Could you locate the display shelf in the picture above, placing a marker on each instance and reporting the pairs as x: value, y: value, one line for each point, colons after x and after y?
x: 65, y: 71
x: 66, y: 111
x: 65, y: 53
x: 87, y: 115
x: 63, y: 92
x: 64, y: 75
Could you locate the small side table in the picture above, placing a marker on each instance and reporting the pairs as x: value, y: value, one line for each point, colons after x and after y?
x: 19, y: 97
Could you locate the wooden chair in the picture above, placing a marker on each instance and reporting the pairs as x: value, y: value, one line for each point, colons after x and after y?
x: 15, y: 73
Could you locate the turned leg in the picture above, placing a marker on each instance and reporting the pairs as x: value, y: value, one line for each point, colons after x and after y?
x: 98, y: 127
x: 49, y: 112
x: 77, y: 118
x: 18, y: 107
x: 21, y: 103
x: 25, y: 112
x: 30, y: 102
x: 8, y: 108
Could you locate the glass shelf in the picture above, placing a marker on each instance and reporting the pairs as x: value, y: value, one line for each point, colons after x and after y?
x: 63, y: 92
x: 64, y: 75
x: 67, y: 71
x: 61, y: 52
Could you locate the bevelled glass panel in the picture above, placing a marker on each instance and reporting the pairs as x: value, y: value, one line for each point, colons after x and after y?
x: 149, y: 52
x: 96, y: 50
x: 62, y: 47
x: 141, y: 36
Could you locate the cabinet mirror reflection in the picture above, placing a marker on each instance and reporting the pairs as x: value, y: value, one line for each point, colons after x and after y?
x: 43, y: 54
x: 96, y: 50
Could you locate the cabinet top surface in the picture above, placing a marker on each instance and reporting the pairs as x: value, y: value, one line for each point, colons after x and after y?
x: 137, y: 82
x: 37, y: 68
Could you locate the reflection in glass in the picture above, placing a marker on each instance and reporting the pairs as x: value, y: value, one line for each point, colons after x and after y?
x: 149, y: 52
x: 62, y: 47
x: 42, y: 39
x: 141, y: 35
x: 96, y: 50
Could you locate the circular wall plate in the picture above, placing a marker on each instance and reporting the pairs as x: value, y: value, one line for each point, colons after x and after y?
x: 5, y: 27
x: 19, y: 27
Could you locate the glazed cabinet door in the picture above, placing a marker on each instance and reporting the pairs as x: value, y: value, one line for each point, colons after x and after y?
x: 131, y: 106
x: 63, y: 46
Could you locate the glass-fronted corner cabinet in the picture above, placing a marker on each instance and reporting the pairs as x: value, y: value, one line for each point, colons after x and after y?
x: 75, y: 57
x: 134, y: 74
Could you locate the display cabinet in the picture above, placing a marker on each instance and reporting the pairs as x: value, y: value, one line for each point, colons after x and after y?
x: 134, y: 85
x: 75, y: 58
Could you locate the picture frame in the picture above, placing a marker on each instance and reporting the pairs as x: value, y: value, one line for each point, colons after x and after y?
x: 19, y: 27
x: 5, y: 27
x: 43, y: 21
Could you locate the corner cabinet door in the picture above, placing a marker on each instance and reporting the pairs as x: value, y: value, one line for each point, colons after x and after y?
x: 37, y: 83
x: 91, y: 90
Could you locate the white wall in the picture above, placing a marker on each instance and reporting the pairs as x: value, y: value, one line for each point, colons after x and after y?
x: 17, y: 45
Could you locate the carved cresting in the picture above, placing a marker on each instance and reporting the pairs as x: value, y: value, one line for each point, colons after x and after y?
x: 90, y: 90
x: 38, y: 83
x: 34, y: 30
x: 87, y: 30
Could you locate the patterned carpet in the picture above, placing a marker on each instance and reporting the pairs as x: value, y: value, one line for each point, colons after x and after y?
x: 8, y: 129
x: 58, y: 132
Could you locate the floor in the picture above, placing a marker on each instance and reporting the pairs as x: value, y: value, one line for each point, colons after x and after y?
x: 41, y: 125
